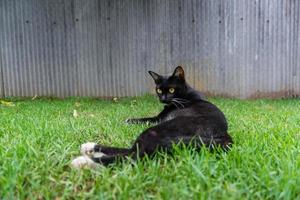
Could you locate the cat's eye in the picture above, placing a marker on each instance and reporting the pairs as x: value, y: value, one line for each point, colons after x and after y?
x: 171, y: 90
x: 158, y: 91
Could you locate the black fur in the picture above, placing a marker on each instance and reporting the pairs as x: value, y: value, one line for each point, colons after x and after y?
x: 186, y: 118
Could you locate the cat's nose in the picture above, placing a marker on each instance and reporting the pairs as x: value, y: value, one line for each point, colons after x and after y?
x: 164, y: 99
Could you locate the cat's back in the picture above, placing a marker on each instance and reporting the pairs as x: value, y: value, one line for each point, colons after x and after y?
x: 200, y: 109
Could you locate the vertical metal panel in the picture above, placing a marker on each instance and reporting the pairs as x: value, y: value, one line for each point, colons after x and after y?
x: 1, y: 53
x: 241, y: 48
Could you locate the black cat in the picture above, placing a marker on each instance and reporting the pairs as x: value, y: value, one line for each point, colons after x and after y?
x: 186, y: 118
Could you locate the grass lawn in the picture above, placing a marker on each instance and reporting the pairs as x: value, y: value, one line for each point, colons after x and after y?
x: 39, y: 138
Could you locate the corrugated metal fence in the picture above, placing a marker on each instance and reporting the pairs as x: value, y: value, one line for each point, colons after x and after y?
x: 242, y: 48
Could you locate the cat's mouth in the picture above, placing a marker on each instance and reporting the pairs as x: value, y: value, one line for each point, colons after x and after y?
x: 165, y: 101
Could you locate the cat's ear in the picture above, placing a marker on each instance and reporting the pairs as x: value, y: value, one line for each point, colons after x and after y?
x: 178, y: 72
x: 155, y: 76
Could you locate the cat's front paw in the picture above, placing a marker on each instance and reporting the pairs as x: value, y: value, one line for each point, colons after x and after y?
x: 83, y: 162
x: 127, y: 121
x: 87, y: 148
x: 131, y: 121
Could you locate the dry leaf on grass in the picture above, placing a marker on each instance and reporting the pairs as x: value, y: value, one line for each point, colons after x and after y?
x: 33, y: 98
x: 75, y: 113
x: 7, y: 103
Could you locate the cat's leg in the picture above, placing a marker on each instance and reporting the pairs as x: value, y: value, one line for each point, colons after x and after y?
x: 94, y: 153
x: 151, y: 120
x: 91, y: 151
x: 87, y: 148
x: 112, y: 158
x: 105, y: 156
x: 146, y: 143
x: 82, y: 162
x: 91, y: 148
x: 162, y: 136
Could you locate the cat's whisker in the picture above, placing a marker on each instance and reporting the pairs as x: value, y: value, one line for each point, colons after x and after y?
x: 182, y: 104
x: 179, y: 105
x: 174, y: 104
x: 182, y: 100
x: 173, y: 100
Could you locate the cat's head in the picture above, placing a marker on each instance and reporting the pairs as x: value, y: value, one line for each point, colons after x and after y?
x: 170, y: 87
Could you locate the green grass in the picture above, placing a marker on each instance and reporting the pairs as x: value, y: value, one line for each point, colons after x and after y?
x: 39, y: 138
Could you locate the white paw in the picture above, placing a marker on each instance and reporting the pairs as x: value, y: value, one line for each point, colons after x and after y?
x: 87, y: 148
x: 83, y: 161
x: 98, y: 155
